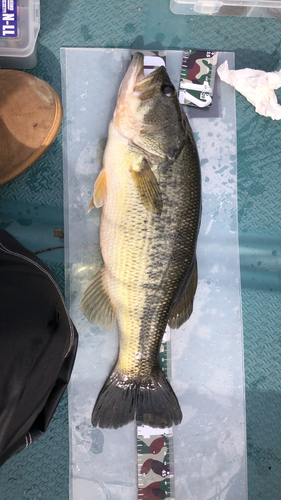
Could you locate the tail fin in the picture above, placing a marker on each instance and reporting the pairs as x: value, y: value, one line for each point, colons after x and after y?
x: 151, y: 401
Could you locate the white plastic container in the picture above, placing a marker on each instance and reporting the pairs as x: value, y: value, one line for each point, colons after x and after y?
x: 19, y: 28
x: 245, y: 8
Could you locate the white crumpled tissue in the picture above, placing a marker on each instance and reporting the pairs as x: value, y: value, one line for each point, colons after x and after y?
x: 257, y: 86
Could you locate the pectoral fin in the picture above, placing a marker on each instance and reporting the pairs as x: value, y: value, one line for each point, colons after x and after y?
x: 96, y: 305
x: 183, y: 307
x: 147, y: 187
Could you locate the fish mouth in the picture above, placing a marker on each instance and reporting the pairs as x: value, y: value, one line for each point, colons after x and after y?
x: 142, y: 86
x: 147, y: 85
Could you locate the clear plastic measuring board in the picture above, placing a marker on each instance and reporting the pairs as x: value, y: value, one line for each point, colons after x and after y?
x: 206, y: 353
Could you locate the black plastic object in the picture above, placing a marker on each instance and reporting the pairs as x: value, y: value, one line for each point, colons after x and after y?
x: 38, y: 344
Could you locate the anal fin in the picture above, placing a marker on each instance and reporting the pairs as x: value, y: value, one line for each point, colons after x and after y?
x: 96, y: 305
x: 183, y: 307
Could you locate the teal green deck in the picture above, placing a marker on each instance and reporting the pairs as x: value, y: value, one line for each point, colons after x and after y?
x: 31, y: 207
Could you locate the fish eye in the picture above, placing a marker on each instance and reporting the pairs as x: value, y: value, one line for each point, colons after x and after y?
x: 168, y: 89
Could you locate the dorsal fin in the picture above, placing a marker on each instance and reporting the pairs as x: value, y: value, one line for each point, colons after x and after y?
x: 183, y: 307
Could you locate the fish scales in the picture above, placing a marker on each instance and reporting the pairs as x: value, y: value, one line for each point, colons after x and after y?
x: 148, y: 250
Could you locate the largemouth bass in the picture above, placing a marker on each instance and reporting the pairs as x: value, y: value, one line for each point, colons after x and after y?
x: 149, y: 189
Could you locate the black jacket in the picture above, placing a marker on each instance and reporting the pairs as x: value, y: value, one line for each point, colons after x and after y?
x: 38, y: 344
